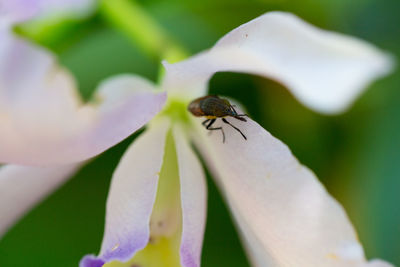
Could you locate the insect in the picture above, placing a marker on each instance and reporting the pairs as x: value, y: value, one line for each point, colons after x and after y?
x: 212, y: 107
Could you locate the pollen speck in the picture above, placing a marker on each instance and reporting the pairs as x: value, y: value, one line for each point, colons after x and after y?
x: 115, y: 247
x: 332, y: 256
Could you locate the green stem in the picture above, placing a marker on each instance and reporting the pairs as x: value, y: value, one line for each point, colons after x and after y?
x: 141, y: 28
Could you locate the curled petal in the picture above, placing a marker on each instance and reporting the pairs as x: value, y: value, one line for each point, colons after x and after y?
x: 194, y: 201
x: 286, y: 216
x: 43, y: 121
x: 22, y: 187
x: 131, y: 198
x: 324, y: 70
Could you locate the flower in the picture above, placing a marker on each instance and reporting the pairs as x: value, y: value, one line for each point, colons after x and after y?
x: 156, y: 208
x: 45, y: 128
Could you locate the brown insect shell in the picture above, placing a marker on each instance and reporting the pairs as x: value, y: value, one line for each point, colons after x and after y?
x: 211, y: 107
x: 194, y: 108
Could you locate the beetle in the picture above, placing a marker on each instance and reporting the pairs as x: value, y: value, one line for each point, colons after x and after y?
x: 212, y: 107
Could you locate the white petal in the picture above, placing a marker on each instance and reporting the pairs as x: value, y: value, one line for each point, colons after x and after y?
x: 284, y: 213
x: 194, y: 201
x: 43, y: 119
x: 132, y: 195
x: 324, y: 70
x: 22, y: 187
x: 378, y: 263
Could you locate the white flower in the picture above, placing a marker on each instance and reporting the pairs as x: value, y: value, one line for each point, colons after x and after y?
x: 157, y: 200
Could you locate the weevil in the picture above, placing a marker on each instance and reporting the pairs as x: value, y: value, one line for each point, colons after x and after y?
x: 212, y: 107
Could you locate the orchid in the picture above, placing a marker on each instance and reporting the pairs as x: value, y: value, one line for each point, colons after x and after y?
x: 156, y: 208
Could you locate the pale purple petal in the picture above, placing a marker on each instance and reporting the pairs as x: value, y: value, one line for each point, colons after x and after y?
x: 324, y: 70
x: 193, y: 198
x: 16, y: 11
x: 22, y: 187
x: 132, y: 196
x: 44, y: 121
x: 285, y: 215
x: 91, y: 261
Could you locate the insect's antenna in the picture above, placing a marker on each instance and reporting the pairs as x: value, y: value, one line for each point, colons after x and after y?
x: 234, y: 127
x: 232, y: 107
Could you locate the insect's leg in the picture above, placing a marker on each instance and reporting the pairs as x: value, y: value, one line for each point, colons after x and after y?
x: 211, y: 123
x: 204, y: 122
x: 240, y: 117
x: 236, y: 115
x: 234, y: 127
x: 208, y: 127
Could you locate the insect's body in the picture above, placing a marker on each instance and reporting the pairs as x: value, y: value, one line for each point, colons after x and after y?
x: 213, y: 107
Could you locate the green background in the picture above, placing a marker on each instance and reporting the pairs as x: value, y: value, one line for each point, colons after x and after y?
x: 356, y: 155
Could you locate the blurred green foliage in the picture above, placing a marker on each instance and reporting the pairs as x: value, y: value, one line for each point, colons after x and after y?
x: 356, y: 154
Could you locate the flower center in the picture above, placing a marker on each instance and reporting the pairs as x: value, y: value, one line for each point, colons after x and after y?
x: 176, y: 110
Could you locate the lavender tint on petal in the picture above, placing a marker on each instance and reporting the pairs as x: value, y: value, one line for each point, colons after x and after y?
x: 125, y: 249
x: 193, y: 200
x: 91, y: 261
x: 122, y: 250
x: 132, y: 195
x: 187, y: 259
x: 18, y: 10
